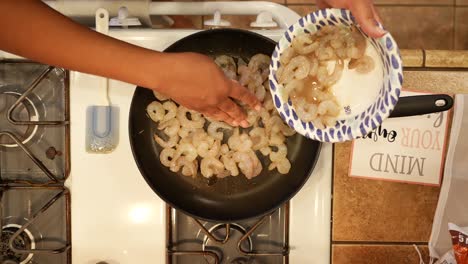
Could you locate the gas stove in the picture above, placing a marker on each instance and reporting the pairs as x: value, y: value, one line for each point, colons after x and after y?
x: 34, y: 163
x: 115, y: 217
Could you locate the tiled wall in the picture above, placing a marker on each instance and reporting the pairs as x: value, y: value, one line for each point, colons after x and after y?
x: 416, y: 24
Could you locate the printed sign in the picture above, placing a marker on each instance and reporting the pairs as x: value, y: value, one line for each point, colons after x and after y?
x: 405, y: 149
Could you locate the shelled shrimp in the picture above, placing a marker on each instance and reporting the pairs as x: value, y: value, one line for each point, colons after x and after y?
x: 193, y: 144
x: 305, y: 76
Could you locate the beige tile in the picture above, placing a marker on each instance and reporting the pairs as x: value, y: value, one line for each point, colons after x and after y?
x: 412, y: 58
x: 461, y: 28
x: 461, y: 2
x: 377, y: 254
x: 419, y: 27
x: 414, y: 2
x: 373, y: 210
x: 447, y: 58
x: 303, y: 10
x: 303, y: 2
x: 437, y: 81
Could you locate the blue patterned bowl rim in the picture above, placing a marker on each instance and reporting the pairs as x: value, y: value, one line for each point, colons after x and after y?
x: 354, y: 126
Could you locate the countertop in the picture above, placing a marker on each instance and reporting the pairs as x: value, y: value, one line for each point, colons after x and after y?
x: 377, y: 221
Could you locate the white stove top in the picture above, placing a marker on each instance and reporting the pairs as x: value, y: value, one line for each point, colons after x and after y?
x: 117, y: 218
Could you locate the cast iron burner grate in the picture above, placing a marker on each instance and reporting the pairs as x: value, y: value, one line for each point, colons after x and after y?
x: 21, y: 127
x: 25, y: 241
x: 263, y: 240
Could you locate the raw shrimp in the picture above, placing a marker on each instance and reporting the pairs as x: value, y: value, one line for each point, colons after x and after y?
x: 197, y: 120
x: 227, y: 65
x: 171, y: 142
x: 281, y: 152
x: 314, y: 65
x: 185, y: 131
x: 297, y: 68
x: 244, y: 74
x: 239, y: 142
x: 283, y: 166
x: 328, y: 80
x: 260, y: 63
x: 293, y: 86
x: 171, y: 109
x: 155, y: 111
x: 230, y: 164
x: 273, y: 125
x: 252, y: 117
x: 210, y: 166
x: 362, y: 65
x: 259, y: 138
x: 279, y: 73
x: 276, y: 139
x: 304, y: 44
x: 166, y: 156
x: 200, y: 135
x: 189, y: 168
x: 244, y: 143
x: 260, y: 93
x: 305, y: 111
x: 224, y: 149
x: 320, y: 95
x: 329, y: 107
x: 265, y: 151
x: 287, y: 131
x: 187, y: 139
x: 245, y: 163
x: 160, y: 96
x: 268, y: 104
x: 287, y: 55
x: 318, y: 123
x: 215, y: 126
x: 170, y: 127
x: 204, y: 149
x: 325, y: 54
x: 329, y: 120
x: 187, y: 150
x: 257, y: 165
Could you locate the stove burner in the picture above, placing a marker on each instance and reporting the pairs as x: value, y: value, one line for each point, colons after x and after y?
x: 25, y: 111
x: 226, y: 244
x: 24, y: 241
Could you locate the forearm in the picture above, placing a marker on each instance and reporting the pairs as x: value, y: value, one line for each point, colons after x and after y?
x: 31, y: 29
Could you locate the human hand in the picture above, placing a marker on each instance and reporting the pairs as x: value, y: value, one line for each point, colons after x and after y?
x: 195, y: 81
x: 364, y: 12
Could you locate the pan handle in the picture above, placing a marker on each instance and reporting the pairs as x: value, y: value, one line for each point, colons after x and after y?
x: 422, y: 104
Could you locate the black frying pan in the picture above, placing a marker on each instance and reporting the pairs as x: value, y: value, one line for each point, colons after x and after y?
x: 231, y: 198
x: 234, y: 198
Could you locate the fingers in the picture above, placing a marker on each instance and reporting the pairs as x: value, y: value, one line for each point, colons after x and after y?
x: 376, y: 14
x: 363, y: 10
x: 233, y: 110
x: 218, y: 115
x: 241, y: 93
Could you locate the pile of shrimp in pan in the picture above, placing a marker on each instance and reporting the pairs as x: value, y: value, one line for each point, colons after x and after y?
x: 193, y: 143
x: 305, y: 75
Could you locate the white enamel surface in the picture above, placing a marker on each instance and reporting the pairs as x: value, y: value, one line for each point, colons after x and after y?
x: 359, y: 91
x: 117, y: 218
